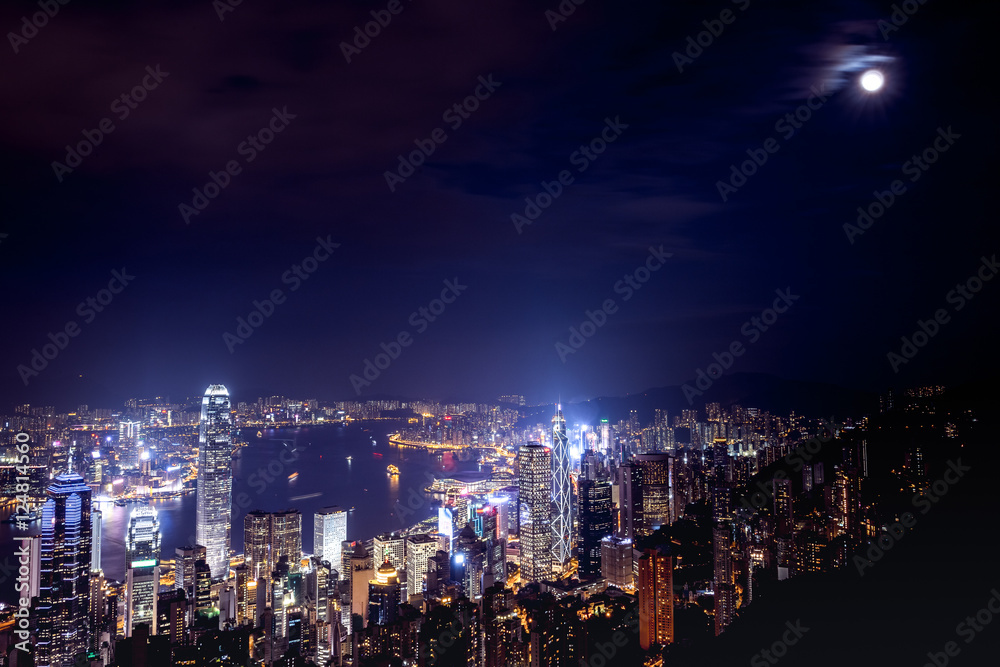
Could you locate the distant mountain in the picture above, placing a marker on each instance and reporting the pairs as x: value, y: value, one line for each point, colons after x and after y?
x: 751, y: 390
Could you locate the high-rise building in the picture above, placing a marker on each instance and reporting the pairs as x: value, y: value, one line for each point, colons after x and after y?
x: 215, y: 479
x: 142, y: 561
x: 725, y: 590
x: 184, y: 570
x: 534, y: 463
x: 419, y: 549
x: 562, y: 492
x: 95, y: 533
x: 605, y: 446
x: 616, y: 562
x: 171, y: 614
x: 267, y: 536
x: 656, y: 598
x: 595, y: 524
x: 390, y: 547
x: 783, y: 514
x: 630, y: 493
x: 655, y: 489
x: 383, y: 595
x: 329, y: 531
x: 64, y: 564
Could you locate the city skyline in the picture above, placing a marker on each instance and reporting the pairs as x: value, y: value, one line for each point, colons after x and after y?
x: 419, y: 334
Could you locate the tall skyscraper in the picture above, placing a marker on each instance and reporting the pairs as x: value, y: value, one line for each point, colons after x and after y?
x: 656, y: 598
x: 184, y: 568
x: 215, y: 479
x: 655, y: 490
x: 329, y: 531
x: 783, y: 512
x: 725, y: 590
x: 95, y: 533
x: 534, y: 463
x: 64, y: 587
x: 419, y: 549
x: 630, y: 493
x: 562, y: 492
x: 595, y: 525
x: 142, y: 569
x: 605, y: 447
x: 267, y: 536
x: 390, y: 547
x: 383, y: 595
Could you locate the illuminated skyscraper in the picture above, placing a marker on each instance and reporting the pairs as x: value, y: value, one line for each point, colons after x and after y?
x: 215, y: 479
x: 631, y: 522
x: 419, y: 550
x: 562, y: 492
x: 383, y: 595
x: 267, y: 536
x: 95, y: 536
x: 725, y: 590
x: 595, y: 525
x: 142, y: 561
x: 656, y: 598
x: 655, y: 490
x: 329, y: 531
x: 64, y: 587
x: 535, y: 480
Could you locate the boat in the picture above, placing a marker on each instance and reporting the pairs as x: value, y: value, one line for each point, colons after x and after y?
x: 17, y: 518
x: 377, y: 455
x: 350, y: 458
x: 259, y: 434
x: 392, y: 470
x: 120, y: 503
x: 293, y: 475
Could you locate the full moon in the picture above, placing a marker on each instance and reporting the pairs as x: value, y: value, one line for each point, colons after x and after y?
x: 872, y: 80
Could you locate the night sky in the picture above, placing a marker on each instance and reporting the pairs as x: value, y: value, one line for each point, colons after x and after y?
x: 678, y: 120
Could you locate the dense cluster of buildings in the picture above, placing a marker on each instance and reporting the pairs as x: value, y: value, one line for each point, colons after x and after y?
x: 602, y: 529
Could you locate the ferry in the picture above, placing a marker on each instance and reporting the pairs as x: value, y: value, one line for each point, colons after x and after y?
x: 392, y: 470
x: 293, y: 475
